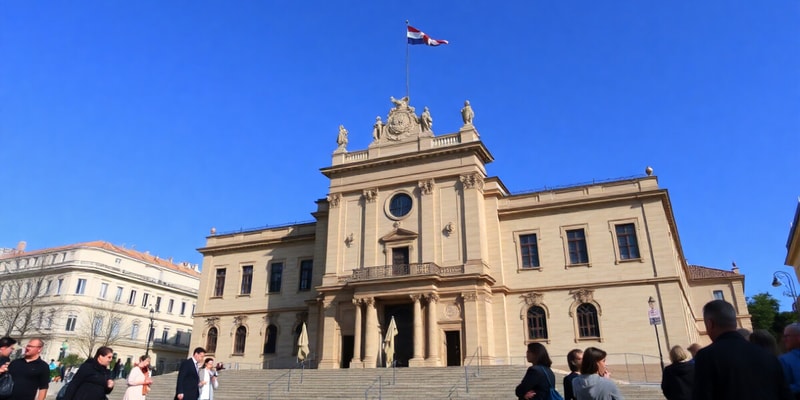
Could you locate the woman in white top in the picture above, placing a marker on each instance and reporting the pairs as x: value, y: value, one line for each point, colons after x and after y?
x: 208, y: 380
x: 139, y: 380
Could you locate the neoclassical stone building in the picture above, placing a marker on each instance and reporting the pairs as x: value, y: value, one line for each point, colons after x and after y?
x: 413, y: 228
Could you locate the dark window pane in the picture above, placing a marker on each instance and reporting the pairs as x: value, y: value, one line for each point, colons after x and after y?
x: 219, y: 285
x: 529, y: 248
x: 211, y: 342
x: 537, y: 323
x: 577, y: 247
x: 241, y: 336
x: 587, y: 321
x: 626, y: 239
x: 306, y: 269
x: 247, y: 279
x: 275, y: 277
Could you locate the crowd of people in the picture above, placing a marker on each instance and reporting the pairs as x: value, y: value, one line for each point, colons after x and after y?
x: 737, y: 364
x: 94, y: 379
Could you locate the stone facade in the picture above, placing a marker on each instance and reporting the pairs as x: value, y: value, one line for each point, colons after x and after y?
x: 414, y: 228
x: 90, y: 294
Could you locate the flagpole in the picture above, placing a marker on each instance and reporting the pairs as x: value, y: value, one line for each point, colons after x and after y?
x: 407, y: 74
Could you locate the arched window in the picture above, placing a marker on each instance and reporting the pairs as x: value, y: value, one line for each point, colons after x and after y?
x: 587, y: 321
x: 537, y: 323
x: 238, y: 344
x: 272, y: 339
x: 211, y: 340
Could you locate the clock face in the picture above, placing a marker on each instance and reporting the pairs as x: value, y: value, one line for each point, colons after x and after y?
x: 400, y: 205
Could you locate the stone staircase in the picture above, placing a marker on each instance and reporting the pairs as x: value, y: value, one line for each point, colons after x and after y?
x: 493, y: 382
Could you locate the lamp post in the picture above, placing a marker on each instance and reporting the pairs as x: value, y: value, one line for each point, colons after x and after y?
x: 63, y: 353
x: 655, y: 320
x: 777, y: 278
x: 149, y: 333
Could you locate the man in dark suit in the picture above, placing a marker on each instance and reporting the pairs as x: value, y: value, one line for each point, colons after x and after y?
x: 731, y: 367
x: 188, y: 387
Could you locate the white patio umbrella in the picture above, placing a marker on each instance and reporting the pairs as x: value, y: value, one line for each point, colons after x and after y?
x: 302, y: 344
x: 388, y: 342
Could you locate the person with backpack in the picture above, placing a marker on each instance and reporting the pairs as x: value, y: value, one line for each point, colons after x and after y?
x: 539, y: 381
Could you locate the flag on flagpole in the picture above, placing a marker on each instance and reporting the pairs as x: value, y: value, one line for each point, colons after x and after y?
x: 415, y: 36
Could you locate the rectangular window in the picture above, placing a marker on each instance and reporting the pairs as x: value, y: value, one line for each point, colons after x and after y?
x: 60, y: 285
x: 115, y: 326
x: 71, y: 320
x: 165, y: 335
x: 718, y: 295
x: 145, y: 299
x: 219, y: 284
x: 275, y: 277
x: 97, y: 326
x: 247, y: 279
x: 578, y: 253
x: 103, y: 290
x: 183, y: 307
x: 170, y: 305
x: 158, y: 303
x: 134, y: 331
x: 132, y: 297
x: 118, y: 296
x: 177, y: 338
x: 306, y: 269
x: 81, y: 288
x: 529, y: 250
x: 626, y: 240
x: 49, y: 287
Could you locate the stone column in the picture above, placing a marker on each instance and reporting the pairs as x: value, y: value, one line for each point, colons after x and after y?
x: 430, y: 236
x: 371, y: 254
x: 371, y: 347
x: 474, y: 234
x: 433, y: 331
x: 328, y: 351
x: 418, y: 359
x: 357, y: 335
x: 473, y: 324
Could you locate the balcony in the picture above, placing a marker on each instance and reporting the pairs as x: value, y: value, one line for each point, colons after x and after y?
x: 396, y: 270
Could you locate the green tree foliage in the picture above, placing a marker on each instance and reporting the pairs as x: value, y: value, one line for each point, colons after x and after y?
x: 763, y: 309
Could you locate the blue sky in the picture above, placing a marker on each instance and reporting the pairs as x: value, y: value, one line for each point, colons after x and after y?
x: 145, y: 123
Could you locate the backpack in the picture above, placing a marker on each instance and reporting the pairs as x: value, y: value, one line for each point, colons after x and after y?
x: 554, y: 395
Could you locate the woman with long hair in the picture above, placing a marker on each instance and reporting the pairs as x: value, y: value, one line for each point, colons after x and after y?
x: 208, y: 380
x: 593, y: 384
x: 139, y: 380
x: 678, y: 377
x: 539, y: 379
x: 93, y: 379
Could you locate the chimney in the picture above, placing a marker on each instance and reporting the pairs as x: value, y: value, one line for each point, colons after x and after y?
x: 21, y: 246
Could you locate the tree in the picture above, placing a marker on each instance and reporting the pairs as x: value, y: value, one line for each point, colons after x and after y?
x: 103, y: 326
x: 24, y: 308
x: 763, y: 310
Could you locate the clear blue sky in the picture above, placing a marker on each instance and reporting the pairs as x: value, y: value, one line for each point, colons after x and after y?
x: 145, y: 123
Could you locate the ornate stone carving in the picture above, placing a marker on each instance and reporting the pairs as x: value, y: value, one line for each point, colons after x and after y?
x: 349, y: 240
x: 415, y: 297
x: 370, y: 195
x: 448, y: 229
x: 402, y: 120
x: 432, y: 297
x: 583, y: 295
x: 369, y: 301
x: 426, y: 121
x: 472, y: 181
x: 469, y: 296
x: 452, y: 311
x: 533, y: 298
x: 377, y: 129
x: 239, y: 320
x: 334, y: 199
x: 357, y: 302
x: 426, y: 186
x: 212, y: 321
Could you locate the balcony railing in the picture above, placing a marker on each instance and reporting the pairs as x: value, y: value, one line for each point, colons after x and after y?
x: 388, y: 271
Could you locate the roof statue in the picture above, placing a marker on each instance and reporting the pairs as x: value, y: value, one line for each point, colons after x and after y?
x: 426, y: 121
x: 467, y: 114
x: 341, y: 140
x: 377, y: 129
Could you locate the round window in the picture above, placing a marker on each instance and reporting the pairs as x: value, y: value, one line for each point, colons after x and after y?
x: 400, y: 205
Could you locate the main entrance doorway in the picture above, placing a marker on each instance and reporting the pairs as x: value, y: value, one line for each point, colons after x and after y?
x: 453, y: 342
x: 404, y: 341
x: 348, y: 341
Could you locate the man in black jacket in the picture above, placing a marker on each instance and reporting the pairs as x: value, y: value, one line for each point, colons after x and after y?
x: 188, y: 387
x: 731, y: 367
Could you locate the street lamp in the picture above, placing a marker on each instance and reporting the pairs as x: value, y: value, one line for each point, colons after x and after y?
x: 655, y: 320
x: 777, y: 278
x: 149, y: 333
x: 63, y: 352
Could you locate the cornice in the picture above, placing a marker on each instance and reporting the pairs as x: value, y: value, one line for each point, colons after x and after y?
x: 250, y: 244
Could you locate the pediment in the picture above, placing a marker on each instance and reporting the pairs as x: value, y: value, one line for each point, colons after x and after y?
x: 399, y: 235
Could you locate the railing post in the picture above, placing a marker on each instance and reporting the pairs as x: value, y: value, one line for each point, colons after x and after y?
x: 380, y: 388
x: 269, y: 390
x: 466, y: 378
x: 289, y: 382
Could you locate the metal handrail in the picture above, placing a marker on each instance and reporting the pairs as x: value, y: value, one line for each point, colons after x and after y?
x: 300, y: 365
x: 380, y: 382
x: 477, y: 354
